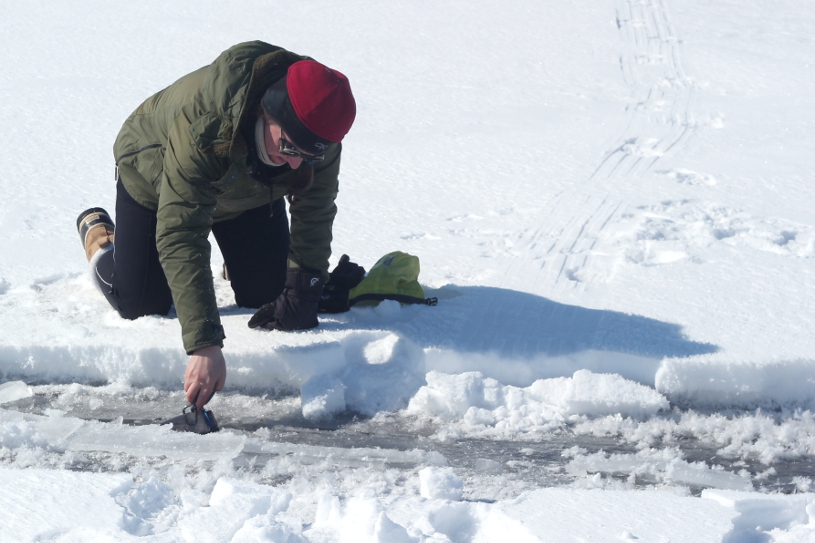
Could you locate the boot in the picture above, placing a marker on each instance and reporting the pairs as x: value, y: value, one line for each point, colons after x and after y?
x: 95, y: 230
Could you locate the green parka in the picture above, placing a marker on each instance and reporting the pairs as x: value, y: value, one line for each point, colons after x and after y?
x: 182, y: 154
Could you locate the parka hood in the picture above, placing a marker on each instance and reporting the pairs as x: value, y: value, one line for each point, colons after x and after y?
x: 244, y: 93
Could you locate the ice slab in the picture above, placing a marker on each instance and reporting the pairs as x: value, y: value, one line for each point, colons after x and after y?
x: 154, y: 440
x: 48, y: 504
x: 75, y: 434
x: 554, y: 515
x: 674, y: 470
x: 13, y: 391
x: 354, y: 457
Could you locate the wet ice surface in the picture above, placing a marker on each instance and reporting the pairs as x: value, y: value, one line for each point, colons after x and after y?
x: 261, y: 430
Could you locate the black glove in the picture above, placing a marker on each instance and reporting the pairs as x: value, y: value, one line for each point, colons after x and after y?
x: 296, y: 307
x: 345, y: 276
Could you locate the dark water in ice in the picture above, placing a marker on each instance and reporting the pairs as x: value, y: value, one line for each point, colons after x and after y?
x: 540, y: 462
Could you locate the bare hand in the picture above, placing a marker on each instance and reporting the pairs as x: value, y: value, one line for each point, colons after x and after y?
x: 206, y: 374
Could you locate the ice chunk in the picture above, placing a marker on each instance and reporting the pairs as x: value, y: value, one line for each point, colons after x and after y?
x: 264, y: 528
x: 355, y: 457
x: 387, y: 531
x: 440, y: 483
x: 360, y: 520
x: 479, y: 400
x: 589, y: 393
x: 153, y: 440
x: 13, y: 391
x: 232, y: 504
x: 451, y: 396
x: 660, y: 466
x: 767, y: 511
x: 486, y: 465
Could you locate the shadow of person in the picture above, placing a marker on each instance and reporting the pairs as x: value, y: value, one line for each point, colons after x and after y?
x: 518, y: 337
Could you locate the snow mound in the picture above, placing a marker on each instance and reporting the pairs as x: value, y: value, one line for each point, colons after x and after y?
x: 704, y: 382
x: 479, y: 400
x: 440, y: 484
x: 321, y: 397
x: 380, y: 371
x: 241, y: 511
x: 360, y: 519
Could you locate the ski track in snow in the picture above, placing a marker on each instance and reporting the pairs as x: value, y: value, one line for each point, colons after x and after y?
x: 571, y: 244
x: 591, y: 229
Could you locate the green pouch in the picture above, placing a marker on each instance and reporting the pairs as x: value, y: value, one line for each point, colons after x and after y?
x: 395, y: 276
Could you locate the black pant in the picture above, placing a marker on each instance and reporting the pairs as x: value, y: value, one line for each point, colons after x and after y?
x: 255, y: 246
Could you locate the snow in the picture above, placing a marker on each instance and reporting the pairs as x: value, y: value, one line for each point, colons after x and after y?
x: 477, y: 401
x: 612, y: 201
x: 440, y: 484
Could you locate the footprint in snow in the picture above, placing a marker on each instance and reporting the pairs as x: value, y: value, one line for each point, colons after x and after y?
x: 689, y: 177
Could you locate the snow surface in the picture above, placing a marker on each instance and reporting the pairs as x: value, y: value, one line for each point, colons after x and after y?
x: 613, y: 201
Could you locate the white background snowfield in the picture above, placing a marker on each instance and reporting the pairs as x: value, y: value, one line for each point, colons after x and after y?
x: 612, y: 199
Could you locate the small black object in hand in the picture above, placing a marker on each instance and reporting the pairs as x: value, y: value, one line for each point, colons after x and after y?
x: 197, y: 421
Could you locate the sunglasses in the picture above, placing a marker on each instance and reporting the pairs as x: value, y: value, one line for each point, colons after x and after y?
x: 286, y: 148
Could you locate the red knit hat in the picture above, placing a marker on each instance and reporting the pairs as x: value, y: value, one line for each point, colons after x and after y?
x: 313, y: 105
